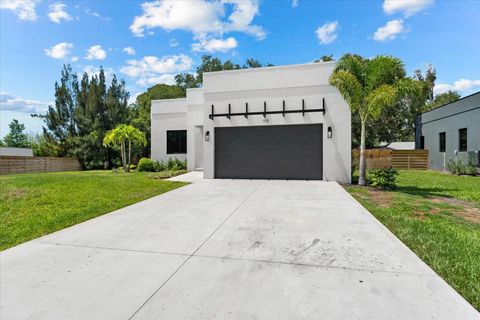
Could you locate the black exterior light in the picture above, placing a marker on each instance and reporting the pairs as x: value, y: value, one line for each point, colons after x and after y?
x: 329, y: 133
x: 207, y: 136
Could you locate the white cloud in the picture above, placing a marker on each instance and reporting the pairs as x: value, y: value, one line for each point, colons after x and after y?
x: 213, y: 45
x: 74, y: 59
x: 57, y: 13
x: 96, y: 14
x: 294, y: 3
x: 173, y: 42
x: 164, y: 78
x: 202, y: 18
x: 327, y: 33
x: 24, y: 9
x: 407, y: 7
x: 96, y: 53
x: 95, y: 71
x: 459, y: 85
x: 151, y: 69
x: 60, y: 50
x: 129, y: 50
x: 9, y: 102
x: 389, y: 31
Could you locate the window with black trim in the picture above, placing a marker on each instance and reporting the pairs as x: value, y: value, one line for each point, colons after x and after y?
x: 422, y: 142
x: 462, y: 139
x: 176, y: 141
x: 442, y: 141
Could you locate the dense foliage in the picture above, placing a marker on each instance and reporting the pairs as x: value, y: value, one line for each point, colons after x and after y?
x: 83, y: 112
x: 460, y: 167
x: 124, y: 136
x: 149, y: 165
x: 383, y: 178
x: 16, y: 137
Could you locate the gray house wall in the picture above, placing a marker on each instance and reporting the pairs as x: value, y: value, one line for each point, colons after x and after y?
x: 464, y: 113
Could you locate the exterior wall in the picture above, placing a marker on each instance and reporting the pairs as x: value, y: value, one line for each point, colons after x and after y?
x: 464, y: 113
x: 274, y: 84
x: 194, y: 128
x: 18, y: 152
x: 167, y: 115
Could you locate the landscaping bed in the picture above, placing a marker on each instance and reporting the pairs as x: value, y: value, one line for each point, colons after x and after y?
x: 437, y: 215
x: 33, y: 205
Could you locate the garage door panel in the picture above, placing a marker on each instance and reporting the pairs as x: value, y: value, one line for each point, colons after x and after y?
x: 269, y: 152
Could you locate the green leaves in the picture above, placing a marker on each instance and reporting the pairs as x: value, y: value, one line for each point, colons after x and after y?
x: 350, y: 88
x: 124, y: 133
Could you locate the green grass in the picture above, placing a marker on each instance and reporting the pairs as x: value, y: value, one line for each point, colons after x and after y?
x: 426, y: 214
x: 32, y: 205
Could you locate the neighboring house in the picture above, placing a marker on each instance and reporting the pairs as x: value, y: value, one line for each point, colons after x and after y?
x: 283, y: 122
x: 17, y: 152
x: 451, y: 131
x: 401, y: 145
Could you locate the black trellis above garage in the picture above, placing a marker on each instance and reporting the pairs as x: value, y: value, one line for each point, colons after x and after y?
x: 265, y: 112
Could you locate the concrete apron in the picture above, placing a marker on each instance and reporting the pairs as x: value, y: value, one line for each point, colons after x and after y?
x: 227, y: 249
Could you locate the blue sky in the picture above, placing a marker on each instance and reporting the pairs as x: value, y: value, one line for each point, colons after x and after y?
x: 148, y: 42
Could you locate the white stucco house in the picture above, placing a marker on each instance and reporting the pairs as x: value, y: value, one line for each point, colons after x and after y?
x: 282, y: 122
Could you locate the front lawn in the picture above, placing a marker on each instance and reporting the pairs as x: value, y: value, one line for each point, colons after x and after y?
x: 32, y: 205
x: 437, y: 215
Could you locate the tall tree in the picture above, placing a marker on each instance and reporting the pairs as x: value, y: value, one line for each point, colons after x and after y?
x: 369, y: 86
x: 442, y: 99
x: 325, y: 58
x: 16, y: 137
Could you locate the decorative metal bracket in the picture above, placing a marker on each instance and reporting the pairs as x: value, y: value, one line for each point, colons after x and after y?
x: 264, y: 113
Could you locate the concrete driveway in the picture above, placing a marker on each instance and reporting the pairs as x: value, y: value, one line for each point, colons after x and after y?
x: 227, y: 249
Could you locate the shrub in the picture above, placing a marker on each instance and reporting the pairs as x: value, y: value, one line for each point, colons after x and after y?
x: 384, y: 178
x: 146, y: 164
x: 459, y: 167
x: 175, y: 164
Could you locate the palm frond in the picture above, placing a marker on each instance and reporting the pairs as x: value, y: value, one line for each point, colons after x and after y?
x: 349, y: 87
x: 382, y: 97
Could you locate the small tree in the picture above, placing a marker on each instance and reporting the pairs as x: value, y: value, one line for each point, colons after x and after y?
x: 124, y: 136
x: 369, y: 86
x: 16, y: 137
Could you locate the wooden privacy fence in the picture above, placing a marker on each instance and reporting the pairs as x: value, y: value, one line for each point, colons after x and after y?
x: 11, y: 164
x: 398, y: 159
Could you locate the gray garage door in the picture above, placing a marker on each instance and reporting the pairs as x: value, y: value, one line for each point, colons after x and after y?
x: 269, y: 152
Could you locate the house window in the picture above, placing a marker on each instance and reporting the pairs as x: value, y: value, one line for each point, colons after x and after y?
x: 442, y: 141
x: 422, y: 142
x: 462, y: 139
x: 176, y: 141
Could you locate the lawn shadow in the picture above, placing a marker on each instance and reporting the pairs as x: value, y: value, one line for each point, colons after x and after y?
x: 432, y: 192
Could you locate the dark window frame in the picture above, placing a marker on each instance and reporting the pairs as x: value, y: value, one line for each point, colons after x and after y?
x: 179, y: 144
x: 462, y: 145
x: 422, y: 142
x: 442, y: 141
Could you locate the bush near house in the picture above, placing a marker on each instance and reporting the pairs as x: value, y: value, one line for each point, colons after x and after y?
x: 459, y: 167
x: 384, y: 178
x: 149, y: 165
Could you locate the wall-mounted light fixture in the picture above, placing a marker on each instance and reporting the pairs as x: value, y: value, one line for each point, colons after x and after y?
x: 329, y: 133
x: 207, y: 135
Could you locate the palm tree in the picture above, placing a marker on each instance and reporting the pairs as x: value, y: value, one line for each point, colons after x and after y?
x: 369, y: 86
x: 124, y: 136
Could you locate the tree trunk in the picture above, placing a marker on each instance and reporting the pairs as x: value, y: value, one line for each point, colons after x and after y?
x: 362, y: 168
x: 129, y: 154
x: 122, y: 153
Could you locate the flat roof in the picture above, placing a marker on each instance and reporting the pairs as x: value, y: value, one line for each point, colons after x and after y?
x: 287, y: 66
